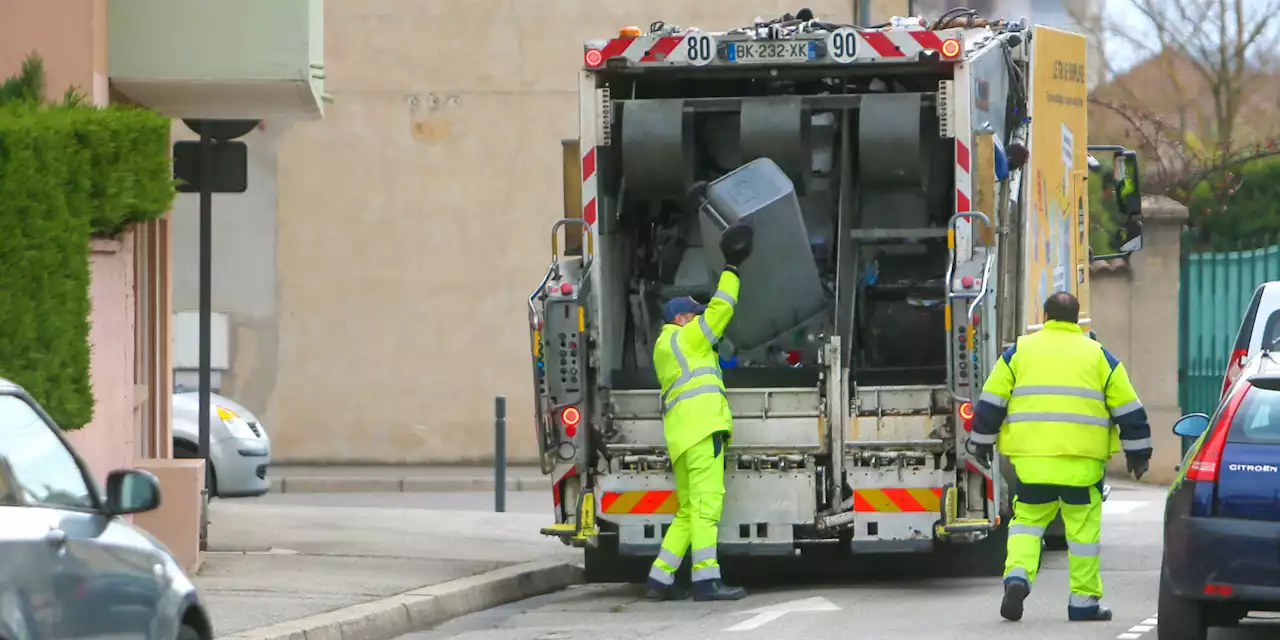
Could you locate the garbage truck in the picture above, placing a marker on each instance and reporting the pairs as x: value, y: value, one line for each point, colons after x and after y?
x: 917, y: 189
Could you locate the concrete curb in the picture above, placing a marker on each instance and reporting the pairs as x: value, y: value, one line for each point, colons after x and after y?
x: 425, y: 484
x: 426, y: 607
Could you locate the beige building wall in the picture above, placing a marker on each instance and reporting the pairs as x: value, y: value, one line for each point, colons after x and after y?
x: 1136, y: 317
x: 412, y: 222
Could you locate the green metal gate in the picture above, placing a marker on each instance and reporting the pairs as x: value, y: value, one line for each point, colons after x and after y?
x: 1215, y: 291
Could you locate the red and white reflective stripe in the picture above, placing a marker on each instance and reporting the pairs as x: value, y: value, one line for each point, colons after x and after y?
x: 964, y: 179
x: 589, y: 186
x: 646, y: 48
x: 898, y: 43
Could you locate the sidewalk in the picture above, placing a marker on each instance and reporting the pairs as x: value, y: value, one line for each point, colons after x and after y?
x: 399, y: 479
x: 278, y: 570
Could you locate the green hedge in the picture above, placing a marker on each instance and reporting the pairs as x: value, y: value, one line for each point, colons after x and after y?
x: 67, y: 172
x: 1249, y: 217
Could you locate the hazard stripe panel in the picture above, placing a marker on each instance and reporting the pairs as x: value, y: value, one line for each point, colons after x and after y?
x: 897, y: 500
x: 639, y: 502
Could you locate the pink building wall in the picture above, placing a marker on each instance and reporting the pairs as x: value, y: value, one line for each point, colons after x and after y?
x: 71, y: 37
x: 110, y: 441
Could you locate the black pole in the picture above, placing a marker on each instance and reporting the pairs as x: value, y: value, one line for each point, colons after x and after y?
x: 500, y: 454
x: 206, y: 292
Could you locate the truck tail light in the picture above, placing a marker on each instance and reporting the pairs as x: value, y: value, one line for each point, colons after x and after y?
x: 1204, y: 468
x: 951, y: 49
x: 966, y: 415
x: 570, y: 416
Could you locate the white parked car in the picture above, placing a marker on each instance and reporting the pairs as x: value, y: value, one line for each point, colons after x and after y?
x: 239, y: 447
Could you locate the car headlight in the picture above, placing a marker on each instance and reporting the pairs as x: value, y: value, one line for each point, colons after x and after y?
x: 235, y: 424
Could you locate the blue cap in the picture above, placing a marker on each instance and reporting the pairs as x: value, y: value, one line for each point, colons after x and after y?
x: 678, y: 306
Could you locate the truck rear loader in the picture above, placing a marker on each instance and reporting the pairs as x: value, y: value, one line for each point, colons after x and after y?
x: 917, y: 189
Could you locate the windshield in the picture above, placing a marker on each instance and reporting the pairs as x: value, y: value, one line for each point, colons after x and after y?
x: 1258, y: 419
x: 36, y: 468
x: 1271, y: 332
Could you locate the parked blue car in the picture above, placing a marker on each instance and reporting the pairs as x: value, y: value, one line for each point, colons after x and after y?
x: 1222, y: 516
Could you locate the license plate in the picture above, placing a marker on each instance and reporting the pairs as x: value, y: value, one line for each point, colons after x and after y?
x: 763, y: 52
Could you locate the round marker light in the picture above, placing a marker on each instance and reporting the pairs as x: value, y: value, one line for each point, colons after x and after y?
x: 950, y: 48
x: 570, y: 416
x: 966, y: 414
x: 593, y: 58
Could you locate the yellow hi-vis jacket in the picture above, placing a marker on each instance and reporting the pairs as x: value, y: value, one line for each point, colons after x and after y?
x: 1060, y: 395
x: 693, y: 401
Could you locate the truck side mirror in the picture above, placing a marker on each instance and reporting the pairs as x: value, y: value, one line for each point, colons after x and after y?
x: 1128, y: 185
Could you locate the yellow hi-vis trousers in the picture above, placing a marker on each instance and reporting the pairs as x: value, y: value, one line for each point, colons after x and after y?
x: 1034, y: 507
x: 700, y: 492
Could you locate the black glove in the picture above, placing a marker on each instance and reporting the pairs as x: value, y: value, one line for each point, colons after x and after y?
x: 1138, y: 464
x: 736, y: 244
x: 984, y: 453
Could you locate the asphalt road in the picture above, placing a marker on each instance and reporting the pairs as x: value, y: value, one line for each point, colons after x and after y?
x: 809, y: 607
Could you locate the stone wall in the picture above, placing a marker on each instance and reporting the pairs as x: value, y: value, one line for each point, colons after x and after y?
x: 1135, y: 314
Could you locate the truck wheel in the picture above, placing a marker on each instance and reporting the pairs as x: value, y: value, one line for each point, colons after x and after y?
x: 605, y: 564
x: 1179, y: 618
x: 978, y: 559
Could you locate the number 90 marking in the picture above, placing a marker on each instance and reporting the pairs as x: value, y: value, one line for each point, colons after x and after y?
x: 843, y: 45
x: 699, y: 49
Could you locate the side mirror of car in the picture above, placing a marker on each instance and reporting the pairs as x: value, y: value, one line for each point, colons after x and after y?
x: 1191, y: 425
x: 132, y: 491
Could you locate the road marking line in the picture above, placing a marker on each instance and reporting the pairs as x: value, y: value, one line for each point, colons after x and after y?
x: 764, y: 615
x: 1122, y: 507
x: 1138, y: 630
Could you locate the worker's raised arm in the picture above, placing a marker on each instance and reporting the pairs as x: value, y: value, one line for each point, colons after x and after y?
x: 735, y: 244
x: 1126, y: 410
x: 993, y: 404
x: 715, y: 319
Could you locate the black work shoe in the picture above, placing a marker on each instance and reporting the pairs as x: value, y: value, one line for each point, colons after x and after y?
x: 1096, y: 613
x: 1015, y: 591
x: 660, y: 594
x: 708, y: 590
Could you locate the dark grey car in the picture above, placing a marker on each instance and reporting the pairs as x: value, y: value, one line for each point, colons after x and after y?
x: 69, y: 565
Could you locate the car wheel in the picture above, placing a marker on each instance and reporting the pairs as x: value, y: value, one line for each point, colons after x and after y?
x: 1179, y: 618
x: 188, y: 632
x: 184, y: 451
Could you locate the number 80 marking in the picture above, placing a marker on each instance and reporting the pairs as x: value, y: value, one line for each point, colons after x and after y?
x: 843, y: 45
x: 700, y: 49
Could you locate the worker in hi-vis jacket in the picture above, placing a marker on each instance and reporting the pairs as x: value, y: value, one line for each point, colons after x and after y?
x: 1061, y: 397
x: 697, y: 426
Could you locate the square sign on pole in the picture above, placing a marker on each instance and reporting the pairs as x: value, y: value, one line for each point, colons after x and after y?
x: 228, y: 171
x: 214, y: 164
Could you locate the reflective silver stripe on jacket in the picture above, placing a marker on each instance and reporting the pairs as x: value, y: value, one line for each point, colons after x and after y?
x: 721, y: 295
x: 687, y: 375
x: 982, y: 438
x: 706, y: 330
x: 991, y: 398
x: 1058, y: 416
x: 1058, y: 390
x: 1128, y: 407
x: 1136, y: 444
